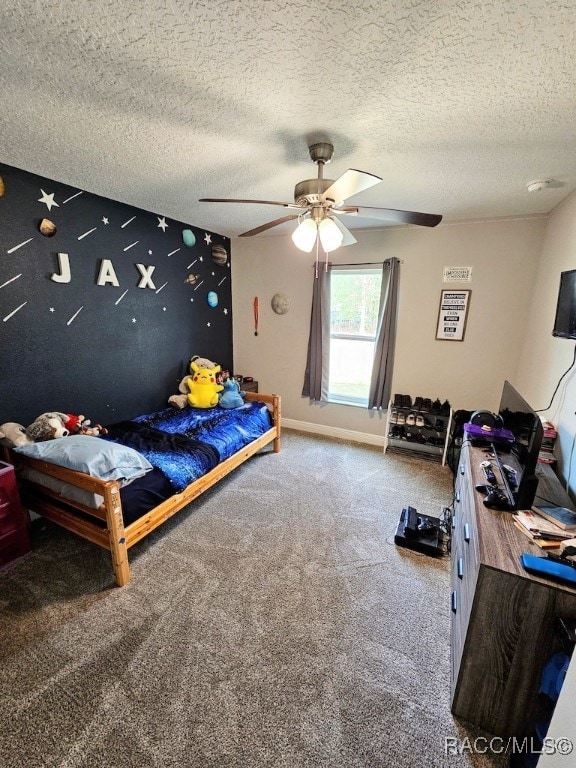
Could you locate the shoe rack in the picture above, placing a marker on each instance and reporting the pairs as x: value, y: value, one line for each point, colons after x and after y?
x: 418, y: 425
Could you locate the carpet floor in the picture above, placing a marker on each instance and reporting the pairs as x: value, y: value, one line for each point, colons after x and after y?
x: 273, y: 622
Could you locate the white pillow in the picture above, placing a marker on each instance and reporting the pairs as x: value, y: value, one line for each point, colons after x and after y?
x: 91, y: 455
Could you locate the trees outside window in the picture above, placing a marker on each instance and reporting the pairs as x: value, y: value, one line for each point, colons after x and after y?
x: 354, y: 305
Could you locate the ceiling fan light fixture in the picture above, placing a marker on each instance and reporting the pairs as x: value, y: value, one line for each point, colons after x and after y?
x: 304, y: 236
x: 330, y: 236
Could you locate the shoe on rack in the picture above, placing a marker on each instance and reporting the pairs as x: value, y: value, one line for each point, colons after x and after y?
x: 445, y: 408
x: 411, y: 419
x: 400, y: 419
x: 406, y: 401
x: 393, y: 416
x: 398, y: 401
x: 420, y: 420
x: 426, y: 405
x: 436, y: 406
x: 439, y: 425
x: 418, y: 403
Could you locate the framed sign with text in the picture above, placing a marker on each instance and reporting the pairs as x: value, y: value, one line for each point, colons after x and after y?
x: 452, y: 315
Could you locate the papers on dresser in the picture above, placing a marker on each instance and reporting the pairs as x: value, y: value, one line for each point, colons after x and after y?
x: 545, y: 534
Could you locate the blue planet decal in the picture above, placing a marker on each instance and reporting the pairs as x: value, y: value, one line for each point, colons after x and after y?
x: 212, y: 298
x: 188, y: 237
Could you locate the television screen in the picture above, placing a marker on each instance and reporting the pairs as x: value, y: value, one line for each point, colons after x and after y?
x: 565, y: 321
x: 525, y: 424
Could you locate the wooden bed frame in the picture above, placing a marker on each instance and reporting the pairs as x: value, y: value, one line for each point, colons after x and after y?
x: 114, y: 536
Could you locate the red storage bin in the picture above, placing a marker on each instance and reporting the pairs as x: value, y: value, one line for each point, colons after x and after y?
x: 14, y: 539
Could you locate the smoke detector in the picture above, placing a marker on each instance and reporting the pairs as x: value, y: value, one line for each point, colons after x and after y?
x: 538, y: 186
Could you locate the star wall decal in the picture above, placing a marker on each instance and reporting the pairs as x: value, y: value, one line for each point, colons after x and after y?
x: 162, y: 223
x: 48, y: 200
x: 208, y: 238
x: 105, y: 220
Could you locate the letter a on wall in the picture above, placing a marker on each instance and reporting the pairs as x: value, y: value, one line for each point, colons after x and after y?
x: 107, y: 274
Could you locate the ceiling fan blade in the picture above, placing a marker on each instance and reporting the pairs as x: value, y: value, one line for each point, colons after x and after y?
x: 349, y: 238
x: 269, y: 225
x: 258, y: 202
x: 350, y: 183
x: 391, y: 215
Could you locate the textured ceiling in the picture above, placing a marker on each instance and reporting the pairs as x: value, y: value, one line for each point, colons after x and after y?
x: 455, y: 104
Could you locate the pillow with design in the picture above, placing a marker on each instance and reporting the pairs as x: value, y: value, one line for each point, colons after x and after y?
x: 91, y: 455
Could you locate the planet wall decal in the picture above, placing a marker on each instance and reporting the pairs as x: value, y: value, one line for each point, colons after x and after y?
x: 191, y: 279
x: 212, y: 299
x: 188, y: 238
x: 280, y: 303
x: 47, y: 228
x: 219, y: 255
x: 2, y: 186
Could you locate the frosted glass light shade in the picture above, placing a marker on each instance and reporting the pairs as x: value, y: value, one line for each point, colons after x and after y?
x: 304, y: 236
x: 330, y: 236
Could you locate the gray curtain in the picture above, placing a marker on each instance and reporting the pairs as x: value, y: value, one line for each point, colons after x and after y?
x: 318, y: 359
x: 317, y: 362
x: 381, y: 382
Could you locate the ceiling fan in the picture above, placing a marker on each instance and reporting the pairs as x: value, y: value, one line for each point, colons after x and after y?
x: 319, y: 206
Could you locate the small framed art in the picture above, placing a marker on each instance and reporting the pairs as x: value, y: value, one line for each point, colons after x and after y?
x: 452, y: 315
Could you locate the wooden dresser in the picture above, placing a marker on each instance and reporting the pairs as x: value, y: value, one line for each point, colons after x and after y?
x: 502, y: 617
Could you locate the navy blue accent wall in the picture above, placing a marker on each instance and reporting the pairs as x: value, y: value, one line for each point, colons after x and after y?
x: 102, y: 317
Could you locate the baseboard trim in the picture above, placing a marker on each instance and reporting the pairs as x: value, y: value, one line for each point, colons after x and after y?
x: 337, y: 432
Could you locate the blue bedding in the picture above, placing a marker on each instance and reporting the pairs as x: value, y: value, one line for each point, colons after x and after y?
x: 186, y: 444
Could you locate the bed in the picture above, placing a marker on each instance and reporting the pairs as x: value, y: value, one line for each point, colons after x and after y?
x: 145, y: 471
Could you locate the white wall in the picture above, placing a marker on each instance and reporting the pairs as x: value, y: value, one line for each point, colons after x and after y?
x: 503, y: 255
x: 544, y: 358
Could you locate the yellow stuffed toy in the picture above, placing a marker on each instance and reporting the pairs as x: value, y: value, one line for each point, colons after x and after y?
x: 203, y: 386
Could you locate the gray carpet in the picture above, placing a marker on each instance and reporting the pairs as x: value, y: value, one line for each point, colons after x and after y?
x: 273, y: 623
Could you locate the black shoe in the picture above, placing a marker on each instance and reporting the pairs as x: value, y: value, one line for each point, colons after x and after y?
x: 436, y: 406
x: 406, y: 401
x: 418, y: 403
x: 439, y: 425
x: 445, y: 409
x: 426, y: 405
x: 398, y: 401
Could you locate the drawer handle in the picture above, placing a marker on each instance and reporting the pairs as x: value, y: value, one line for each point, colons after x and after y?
x: 457, y: 497
x: 454, y: 601
x: 462, y: 470
x: 460, y: 568
x: 453, y: 522
x: 467, y: 532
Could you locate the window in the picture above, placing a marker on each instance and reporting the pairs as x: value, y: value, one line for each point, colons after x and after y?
x: 354, y: 304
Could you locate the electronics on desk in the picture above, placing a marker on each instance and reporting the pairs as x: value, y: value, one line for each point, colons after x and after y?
x: 514, y: 436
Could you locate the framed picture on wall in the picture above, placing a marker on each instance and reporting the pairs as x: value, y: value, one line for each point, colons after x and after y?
x: 452, y: 315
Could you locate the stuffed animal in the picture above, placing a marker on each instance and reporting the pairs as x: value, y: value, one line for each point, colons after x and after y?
x: 80, y: 425
x: 181, y: 400
x: 203, y: 386
x: 231, y: 397
x: 12, y: 435
x: 47, y: 426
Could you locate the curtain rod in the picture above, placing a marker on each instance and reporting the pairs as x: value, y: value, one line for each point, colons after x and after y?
x: 360, y: 263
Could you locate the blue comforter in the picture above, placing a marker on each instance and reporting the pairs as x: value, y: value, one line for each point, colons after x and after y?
x: 186, y: 444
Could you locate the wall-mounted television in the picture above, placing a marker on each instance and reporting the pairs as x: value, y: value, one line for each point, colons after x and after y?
x: 565, y: 320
